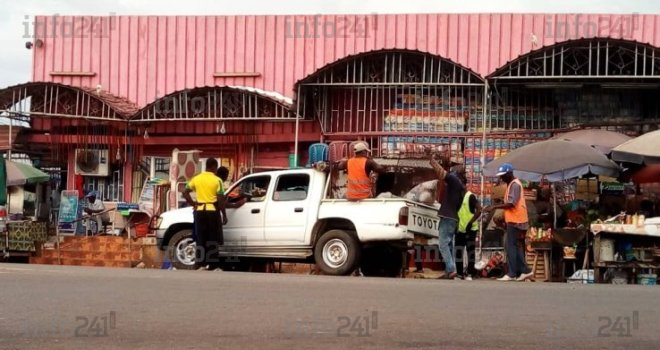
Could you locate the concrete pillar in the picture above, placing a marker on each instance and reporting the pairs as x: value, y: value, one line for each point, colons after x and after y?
x: 128, y: 181
x: 71, y: 170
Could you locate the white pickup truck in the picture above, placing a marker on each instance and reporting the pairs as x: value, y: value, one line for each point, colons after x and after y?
x: 290, y: 216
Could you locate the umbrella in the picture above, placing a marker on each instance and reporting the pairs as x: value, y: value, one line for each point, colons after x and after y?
x: 556, y: 160
x: 19, y: 174
x: 643, y: 149
x: 602, y: 140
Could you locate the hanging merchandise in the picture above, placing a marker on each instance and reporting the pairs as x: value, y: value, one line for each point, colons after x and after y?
x: 494, y: 148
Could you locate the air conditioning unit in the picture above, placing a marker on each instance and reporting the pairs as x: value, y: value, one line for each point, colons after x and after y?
x: 92, y: 162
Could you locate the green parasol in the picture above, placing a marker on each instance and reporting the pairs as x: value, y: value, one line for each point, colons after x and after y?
x: 19, y: 174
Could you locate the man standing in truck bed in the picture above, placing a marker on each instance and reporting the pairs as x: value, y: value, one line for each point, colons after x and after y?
x: 359, y: 167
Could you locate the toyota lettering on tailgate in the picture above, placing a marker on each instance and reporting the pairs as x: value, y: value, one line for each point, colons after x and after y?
x: 424, y: 224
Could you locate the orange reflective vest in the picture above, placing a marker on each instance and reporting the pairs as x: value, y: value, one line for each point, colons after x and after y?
x: 358, y: 185
x: 517, y: 214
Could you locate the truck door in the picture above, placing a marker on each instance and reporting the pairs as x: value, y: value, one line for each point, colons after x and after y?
x: 246, y: 224
x: 288, y: 210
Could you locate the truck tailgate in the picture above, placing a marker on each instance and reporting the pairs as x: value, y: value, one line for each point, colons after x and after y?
x: 423, y: 221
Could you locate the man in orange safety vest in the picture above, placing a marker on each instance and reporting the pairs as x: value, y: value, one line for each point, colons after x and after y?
x: 359, y: 184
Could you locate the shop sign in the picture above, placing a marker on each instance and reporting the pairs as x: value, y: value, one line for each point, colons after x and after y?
x: 611, y: 187
x: 147, y: 197
x: 68, y: 213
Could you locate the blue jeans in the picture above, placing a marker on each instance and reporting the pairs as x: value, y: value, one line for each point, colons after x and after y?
x: 447, y: 228
x: 515, y: 253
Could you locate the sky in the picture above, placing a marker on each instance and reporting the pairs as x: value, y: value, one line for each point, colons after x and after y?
x: 16, y: 60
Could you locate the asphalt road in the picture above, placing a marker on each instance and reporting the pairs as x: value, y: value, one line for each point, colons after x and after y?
x: 157, y: 309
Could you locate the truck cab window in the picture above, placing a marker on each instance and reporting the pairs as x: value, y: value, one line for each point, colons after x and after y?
x: 293, y: 187
x: 254, y: 189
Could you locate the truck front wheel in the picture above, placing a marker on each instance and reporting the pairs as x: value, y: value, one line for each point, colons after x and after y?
x: 337, y: 253
x: 181, y: 249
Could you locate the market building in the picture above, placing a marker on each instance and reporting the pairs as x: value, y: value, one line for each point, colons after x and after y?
x: 112, y: 101
x: 108, y: 98
x: 397, y: 81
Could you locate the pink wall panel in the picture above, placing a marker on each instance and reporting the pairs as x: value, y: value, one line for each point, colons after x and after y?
x: 143, y: 56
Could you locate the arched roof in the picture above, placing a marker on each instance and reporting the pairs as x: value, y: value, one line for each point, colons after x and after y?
x: 598, y: 57
x: 370, y: 67
x: 59, y: 100
x: 216, y: 103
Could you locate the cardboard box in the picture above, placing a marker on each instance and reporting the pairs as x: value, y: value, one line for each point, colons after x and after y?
x: 589, y: 186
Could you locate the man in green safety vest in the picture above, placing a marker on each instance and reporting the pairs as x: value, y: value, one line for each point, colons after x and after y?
x: 468, y: 227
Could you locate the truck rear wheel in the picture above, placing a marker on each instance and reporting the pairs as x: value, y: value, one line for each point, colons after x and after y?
x: 382, y: 261
x: 337, y: 253
x: 181, y: 249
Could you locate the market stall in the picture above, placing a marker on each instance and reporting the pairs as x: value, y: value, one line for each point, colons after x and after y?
x: 554, y: 162
x: 627, y: 250
x: 626, y: 246
x: 25, y: 195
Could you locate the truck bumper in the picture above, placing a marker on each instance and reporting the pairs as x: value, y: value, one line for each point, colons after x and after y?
x: 160, y: 234
x: 380, y: 232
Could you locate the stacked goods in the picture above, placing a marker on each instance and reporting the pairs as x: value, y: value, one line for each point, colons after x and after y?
x: 404, y: 120
x: 425, y: 113
x: 473, y: 167
x: 493, y: 149
x: 521, y: 117
x: 428, y: 113
x: 586, y: 189
x: 607, y: 108
x: 422, y: 146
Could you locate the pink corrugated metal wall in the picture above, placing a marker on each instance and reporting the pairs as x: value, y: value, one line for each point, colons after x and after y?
x: 143, y: 57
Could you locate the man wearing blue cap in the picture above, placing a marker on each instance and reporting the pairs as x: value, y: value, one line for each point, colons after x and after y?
x: 517, y: 223
x: 95, y: 208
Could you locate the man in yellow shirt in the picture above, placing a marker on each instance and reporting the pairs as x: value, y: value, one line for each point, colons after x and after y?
x: 208, y: 228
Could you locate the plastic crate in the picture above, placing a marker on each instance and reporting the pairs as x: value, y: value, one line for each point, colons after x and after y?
x: 647, y: 279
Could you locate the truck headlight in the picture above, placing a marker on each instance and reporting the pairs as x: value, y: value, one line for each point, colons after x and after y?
x: 159, y: 220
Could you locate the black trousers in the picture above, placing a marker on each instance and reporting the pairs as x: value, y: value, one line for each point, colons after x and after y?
x: 208, y: 232
x: 466, y: 249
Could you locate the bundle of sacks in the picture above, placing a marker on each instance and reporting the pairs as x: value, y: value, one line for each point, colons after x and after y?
x: 423, y: 193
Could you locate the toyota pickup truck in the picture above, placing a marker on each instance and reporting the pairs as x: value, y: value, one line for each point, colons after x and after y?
x: 290, y: 215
